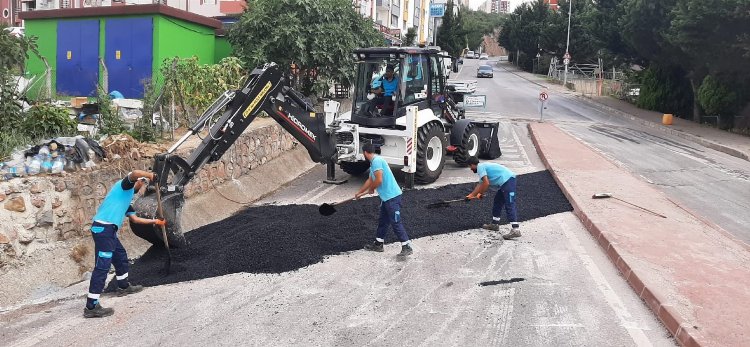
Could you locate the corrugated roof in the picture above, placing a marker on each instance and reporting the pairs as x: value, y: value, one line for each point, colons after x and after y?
x: 105, y: 11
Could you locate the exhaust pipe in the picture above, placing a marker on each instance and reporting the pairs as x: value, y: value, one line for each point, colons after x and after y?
x: 146, y: 207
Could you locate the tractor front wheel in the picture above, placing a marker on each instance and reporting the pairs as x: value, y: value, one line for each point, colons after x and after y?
x: 431, y: 147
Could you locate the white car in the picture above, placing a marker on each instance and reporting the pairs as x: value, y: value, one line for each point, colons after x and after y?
x: 470, y: 55
x: 484, y: 56
x: 15, y: 31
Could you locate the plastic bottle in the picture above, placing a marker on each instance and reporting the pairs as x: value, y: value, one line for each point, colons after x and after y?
x: 58, y: 164
x: 35, y: 165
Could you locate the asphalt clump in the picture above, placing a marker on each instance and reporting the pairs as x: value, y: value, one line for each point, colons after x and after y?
x: 281, y: 238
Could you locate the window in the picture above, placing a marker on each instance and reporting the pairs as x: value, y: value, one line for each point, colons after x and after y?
x: 415, y: 79
x: 437, y: 76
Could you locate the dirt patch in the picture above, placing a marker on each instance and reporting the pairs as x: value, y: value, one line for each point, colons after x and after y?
x: 126, y: 146
x: 275, y: 239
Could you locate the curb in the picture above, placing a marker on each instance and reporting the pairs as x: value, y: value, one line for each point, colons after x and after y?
x: 674, y: 323
x: 679, y: 133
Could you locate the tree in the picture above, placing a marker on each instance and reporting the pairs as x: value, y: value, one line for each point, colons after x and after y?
x: 477, y: 24
x: 317, y: 36
x: 450, y: 33
x: 410, y: 37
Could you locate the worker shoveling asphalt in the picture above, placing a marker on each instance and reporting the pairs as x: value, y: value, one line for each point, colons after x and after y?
x: 281, y: 238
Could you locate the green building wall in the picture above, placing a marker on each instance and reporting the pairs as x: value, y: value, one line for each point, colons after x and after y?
x: 223, y: 48
x: 46, y: 32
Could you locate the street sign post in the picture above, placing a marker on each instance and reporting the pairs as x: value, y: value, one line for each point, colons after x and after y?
x: 437, y: 10
x: 543, y: 96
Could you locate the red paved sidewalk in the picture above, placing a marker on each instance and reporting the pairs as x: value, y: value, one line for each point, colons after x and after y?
x: 693, y: 277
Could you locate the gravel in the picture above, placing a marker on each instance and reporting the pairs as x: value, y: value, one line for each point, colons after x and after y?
x: 281, y: 238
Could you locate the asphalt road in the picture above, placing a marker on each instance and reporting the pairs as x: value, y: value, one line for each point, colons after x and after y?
x: 553, y: 286
x: 714, y: 185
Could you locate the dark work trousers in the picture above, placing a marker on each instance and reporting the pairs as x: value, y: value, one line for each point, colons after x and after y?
x: 390, y: 215
x: 107, y: 251
x: 505, y: 197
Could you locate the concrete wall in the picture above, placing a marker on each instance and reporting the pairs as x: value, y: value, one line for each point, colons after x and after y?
x: 45, y: 242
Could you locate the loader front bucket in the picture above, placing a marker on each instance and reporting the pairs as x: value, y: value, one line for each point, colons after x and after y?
x: 146, y: 207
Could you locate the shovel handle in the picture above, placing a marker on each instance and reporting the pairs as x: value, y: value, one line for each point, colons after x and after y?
x: 161, y: 215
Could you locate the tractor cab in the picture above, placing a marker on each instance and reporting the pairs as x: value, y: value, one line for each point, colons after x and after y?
x: 388, y: 79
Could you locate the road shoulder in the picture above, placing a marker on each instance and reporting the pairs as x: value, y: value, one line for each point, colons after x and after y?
x: 693, y: 277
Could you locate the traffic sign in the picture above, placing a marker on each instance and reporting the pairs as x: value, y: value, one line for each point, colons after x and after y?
x: 475, y: 100
x: 566, y: 61
x: 567, y: 56
x: 437, y: 10
x: 543, y: 96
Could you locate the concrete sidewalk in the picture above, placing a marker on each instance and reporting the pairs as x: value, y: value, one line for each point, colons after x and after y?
x: 693, y: 277
x: 730, y: 143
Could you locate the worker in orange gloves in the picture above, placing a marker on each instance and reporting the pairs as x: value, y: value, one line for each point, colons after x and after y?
x: 107, y: 247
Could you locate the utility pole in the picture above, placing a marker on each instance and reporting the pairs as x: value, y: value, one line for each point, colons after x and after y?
x: 567, y: 45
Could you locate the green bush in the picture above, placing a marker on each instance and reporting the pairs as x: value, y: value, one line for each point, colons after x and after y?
x: 716, y: 99
x: 666, y: 90
x: 9, y: 142
x: 109, y: 121
x: 44, y: 121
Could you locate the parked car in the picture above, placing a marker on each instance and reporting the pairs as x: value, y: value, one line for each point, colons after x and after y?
x: 485, y: 71
x: 460, y: 60
x: 484, y: 56
x: 470, y: 55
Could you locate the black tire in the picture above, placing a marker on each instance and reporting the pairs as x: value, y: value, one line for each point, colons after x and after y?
x: 355, y: 168
x: 427, y: 173
x: 469, y: 146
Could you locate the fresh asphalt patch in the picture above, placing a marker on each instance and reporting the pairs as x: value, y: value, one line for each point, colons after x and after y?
x: 281, y: 238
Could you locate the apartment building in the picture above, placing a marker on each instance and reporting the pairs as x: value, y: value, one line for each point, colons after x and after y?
x: 9, y: 9
x: 394, y: 18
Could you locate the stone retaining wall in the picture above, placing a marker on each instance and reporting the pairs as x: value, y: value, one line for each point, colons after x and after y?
x: 55, y: 212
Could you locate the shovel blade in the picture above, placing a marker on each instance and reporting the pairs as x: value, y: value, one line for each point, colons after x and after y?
x: 146, y: 207
x: 326, y: 209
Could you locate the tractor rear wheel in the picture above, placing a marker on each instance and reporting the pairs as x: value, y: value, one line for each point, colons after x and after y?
x: 431, y: 147
x: 469, y: 146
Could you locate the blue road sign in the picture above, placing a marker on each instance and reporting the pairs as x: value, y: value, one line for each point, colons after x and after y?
x: 437, y: 10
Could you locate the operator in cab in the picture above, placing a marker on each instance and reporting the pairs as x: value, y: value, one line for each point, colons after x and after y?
x: 107, y: 247
x: 384, y: 89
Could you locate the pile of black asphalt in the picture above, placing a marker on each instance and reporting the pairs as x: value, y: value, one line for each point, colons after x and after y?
x: 281, y: 238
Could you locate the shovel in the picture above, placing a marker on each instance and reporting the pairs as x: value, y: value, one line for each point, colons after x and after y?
x: 168, y: 265
x: 329, y: 209
x: 608, y: 195
x: 447, y: 203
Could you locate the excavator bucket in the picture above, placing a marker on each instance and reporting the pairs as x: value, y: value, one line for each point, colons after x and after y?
x: 147, y: 206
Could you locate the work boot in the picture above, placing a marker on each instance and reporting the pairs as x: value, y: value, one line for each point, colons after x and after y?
x: 97, y: 312
x: 375, y: 246
x: 491, y: 226
x: 515, y: 232
x: 406, y: 250
x: 131, y: 289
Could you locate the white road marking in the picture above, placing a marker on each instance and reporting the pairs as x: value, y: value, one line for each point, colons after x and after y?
x: 325, y: 191
x: 610, y: 296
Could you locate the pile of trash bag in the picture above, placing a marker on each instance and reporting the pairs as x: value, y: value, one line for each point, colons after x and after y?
x: 53, y: 157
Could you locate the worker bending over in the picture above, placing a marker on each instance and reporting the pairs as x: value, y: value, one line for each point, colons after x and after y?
x: 381, y: 178
x: 501, y: 178
x: 107, y: 247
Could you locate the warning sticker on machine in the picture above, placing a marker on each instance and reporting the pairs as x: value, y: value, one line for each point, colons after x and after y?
x: 257, y: 100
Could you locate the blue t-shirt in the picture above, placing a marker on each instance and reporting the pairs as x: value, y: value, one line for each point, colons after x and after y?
x: 389, y: 87
x: 496, y: 173
x: 389, y: 188
x: 116, y: 204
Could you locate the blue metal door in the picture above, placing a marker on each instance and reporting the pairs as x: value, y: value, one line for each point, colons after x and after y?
x: 77, y: 57
x: 128, y: 54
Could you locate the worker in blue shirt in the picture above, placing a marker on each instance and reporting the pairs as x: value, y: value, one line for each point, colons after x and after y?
x: 107, y: 247
x: 384, y: 89
x: 381, y: 179
x: 504, y: 180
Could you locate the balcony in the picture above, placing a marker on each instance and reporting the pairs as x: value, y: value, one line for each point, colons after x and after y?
x: 383, y: 4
